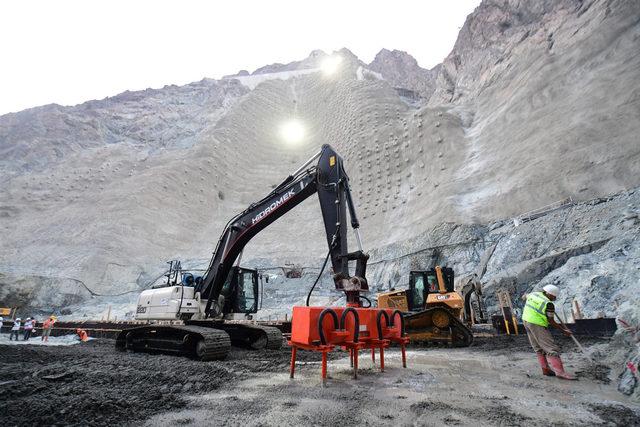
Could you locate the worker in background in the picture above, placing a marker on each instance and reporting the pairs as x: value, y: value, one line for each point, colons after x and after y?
x: 28, y: 328
x: 82, y: 335
x: 46, y: 328
x: 15, y: 330
x: 537, y: 315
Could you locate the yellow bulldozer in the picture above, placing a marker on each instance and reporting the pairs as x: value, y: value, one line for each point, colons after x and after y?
x: 433, y: 310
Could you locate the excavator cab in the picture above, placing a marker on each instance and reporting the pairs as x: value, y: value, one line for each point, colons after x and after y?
x: 240, y: 291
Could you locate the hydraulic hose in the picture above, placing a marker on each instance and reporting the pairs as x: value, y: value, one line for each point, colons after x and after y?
x: 367, y: 300
x: 356, y: 319
x: 334, y: 316
x: 379, y: 317
x: 399, y: 314
x: 318, y: 278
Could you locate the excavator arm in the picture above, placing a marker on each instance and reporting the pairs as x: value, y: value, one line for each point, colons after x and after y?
x: 328, y: 179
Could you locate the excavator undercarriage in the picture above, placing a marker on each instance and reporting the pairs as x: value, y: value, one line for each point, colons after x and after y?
x: 200, y: 340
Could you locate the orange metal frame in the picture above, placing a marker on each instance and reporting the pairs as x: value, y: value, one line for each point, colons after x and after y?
x: 350, y: 328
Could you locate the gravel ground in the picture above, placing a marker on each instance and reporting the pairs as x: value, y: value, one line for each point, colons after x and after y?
x: 92, y: 384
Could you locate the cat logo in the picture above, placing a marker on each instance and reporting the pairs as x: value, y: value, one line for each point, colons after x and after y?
x: 442, y: 297
x: 332, y: 161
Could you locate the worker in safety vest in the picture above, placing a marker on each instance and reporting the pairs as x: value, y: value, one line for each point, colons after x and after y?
x: 47, y: 326
x: 537, y: 315
x: 15, y: 330
x: 82, y: 335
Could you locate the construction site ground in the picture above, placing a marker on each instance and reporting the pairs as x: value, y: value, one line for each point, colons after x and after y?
x: 494, y: 382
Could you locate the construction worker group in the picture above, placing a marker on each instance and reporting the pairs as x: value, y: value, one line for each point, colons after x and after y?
x: 29, y: 328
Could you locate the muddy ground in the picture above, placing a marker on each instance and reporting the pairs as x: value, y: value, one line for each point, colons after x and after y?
x: 495, y: 382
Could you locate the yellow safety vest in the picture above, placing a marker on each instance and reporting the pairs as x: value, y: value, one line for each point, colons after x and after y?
x: 535, y: 309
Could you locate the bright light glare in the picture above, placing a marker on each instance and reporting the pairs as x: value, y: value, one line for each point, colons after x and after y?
x: 292, y: 131
x: 330, y: 64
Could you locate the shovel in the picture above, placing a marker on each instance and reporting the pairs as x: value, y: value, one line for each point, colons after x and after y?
x: 575, y: 340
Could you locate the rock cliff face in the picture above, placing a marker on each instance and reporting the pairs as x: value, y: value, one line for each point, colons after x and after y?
x: 538, y: 102
x: 402, y: 70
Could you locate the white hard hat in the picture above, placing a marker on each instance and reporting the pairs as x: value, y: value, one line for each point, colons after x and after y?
x: 18, y: 319
x: 552, y: 290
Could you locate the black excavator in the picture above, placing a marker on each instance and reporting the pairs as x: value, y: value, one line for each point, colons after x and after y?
x: 197, y: 310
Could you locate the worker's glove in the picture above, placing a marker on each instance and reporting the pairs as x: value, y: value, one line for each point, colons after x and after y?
x: 567, y: 332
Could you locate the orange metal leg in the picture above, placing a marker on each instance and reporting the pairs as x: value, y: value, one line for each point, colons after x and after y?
x: 292, y: 369
x: 355, y: 363
x: 373, y: 355
x: 404, y: 356
x: 351, y: 356
x: 381, y: 359
x: 324, y: 366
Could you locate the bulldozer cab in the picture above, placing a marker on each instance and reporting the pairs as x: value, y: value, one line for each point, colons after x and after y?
x: 425, y: 282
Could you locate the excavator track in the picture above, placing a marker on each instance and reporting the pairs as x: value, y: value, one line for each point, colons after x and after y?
x: 420, y: 327
x: 196, y: 342
x: 253, y: 336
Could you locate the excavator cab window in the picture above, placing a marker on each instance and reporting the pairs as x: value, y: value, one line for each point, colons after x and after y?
x: 240, y: 291
x: 247, y: 292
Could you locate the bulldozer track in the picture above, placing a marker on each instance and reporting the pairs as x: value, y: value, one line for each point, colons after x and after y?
x: 459, y: 335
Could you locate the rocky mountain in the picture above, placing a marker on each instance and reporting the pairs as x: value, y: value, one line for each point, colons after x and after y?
x: 402, y: 70
x: 538, y: 103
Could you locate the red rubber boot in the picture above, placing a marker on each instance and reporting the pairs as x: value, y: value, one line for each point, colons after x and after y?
x: 558, y: 368
x: 546, y: 370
